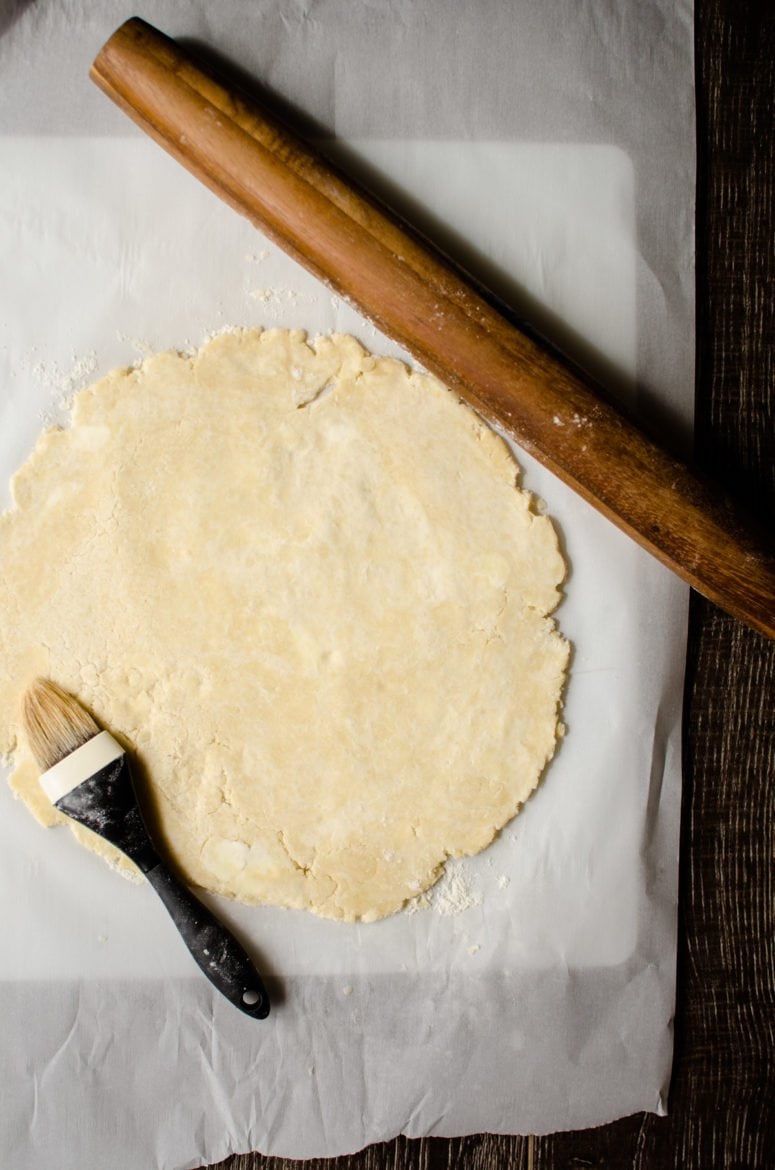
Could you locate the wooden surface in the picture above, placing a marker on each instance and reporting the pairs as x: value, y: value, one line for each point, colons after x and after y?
x: 722, y: 1101
x: 416, y: 297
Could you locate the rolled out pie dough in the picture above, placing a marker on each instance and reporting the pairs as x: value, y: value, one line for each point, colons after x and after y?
x: 301, y: 583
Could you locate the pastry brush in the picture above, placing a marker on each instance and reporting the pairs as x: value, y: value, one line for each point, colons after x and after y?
x: 86, y: 775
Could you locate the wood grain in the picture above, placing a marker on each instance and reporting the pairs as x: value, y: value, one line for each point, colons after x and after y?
x: 418, y: 298
x: 722, y: 1101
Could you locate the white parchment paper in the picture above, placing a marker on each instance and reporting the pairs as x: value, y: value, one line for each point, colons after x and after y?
x: 545, y: 150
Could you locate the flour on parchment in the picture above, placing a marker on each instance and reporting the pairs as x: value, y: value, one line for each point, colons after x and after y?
x: 302, y: 585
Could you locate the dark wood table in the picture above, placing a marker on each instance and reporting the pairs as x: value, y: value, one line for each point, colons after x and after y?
x: 722, y: 1100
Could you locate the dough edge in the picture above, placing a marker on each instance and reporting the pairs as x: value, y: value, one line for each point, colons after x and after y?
x: 355, y: 361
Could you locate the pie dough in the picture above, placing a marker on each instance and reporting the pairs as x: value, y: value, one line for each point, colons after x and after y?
x: 302, y: 585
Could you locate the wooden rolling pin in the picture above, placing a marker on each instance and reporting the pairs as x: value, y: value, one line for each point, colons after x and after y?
x: 418, y: 298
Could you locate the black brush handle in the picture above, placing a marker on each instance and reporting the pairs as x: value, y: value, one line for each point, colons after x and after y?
x: 107, y: 804
x: 223, y: 960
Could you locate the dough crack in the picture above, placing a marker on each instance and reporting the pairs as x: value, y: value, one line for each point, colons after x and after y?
x: 324, y: 391
x: 298, y: 865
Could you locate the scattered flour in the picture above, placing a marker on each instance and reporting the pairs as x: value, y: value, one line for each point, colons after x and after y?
x: 452, y: 894
x: 66, y: 382
x: 221, y: 331
x: 142, y: 348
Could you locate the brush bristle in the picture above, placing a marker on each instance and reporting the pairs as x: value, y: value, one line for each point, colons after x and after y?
x: 56, y: 724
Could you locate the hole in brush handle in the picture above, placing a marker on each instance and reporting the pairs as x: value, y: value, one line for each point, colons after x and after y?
x: 223, y: 960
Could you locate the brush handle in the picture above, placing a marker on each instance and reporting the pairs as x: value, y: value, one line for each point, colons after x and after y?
x: 217, y: 952
x: 417, y: 297
x: 106, y: 803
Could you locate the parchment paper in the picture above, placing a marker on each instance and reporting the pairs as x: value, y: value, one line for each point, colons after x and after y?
x: 552, y: 152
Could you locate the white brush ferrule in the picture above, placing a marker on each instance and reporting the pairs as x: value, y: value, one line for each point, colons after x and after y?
x: 99, y: 751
